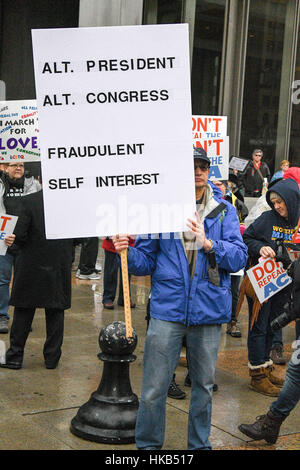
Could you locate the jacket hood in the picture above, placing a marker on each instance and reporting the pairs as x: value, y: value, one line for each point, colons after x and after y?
x: 288, y: 190
x: 294, y: 173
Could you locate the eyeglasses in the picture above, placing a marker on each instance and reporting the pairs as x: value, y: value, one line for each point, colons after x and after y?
x: 16, y: 165
x: 202, y: 166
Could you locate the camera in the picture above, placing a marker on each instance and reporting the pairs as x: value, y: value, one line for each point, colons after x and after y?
x: 291, y: 310
x: 285, y: 318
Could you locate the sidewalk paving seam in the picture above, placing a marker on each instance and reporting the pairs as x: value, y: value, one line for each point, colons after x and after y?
x: 31, y: 413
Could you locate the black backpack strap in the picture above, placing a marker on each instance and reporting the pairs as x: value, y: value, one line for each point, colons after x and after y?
x: 216, y: 211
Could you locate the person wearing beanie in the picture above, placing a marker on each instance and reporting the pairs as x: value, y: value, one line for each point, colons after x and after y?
x: 262, y: 238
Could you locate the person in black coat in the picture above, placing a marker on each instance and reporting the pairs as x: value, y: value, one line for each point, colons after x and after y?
x: 42, y: 279
x: 255, y: 174
x: 266, y: 238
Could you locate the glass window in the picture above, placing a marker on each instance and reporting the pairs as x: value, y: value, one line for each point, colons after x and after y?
x: 169, y: 11
x: 207, y: 54
x: 162, y: 11
x: 262, y: 78
x: 17, y: 20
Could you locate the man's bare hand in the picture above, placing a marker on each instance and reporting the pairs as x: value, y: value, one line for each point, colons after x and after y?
x: 9, y: 239
x: 197, y: 228
x: 121, y: 242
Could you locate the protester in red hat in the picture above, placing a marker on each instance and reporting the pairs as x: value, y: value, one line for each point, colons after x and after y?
x: 293, y: 173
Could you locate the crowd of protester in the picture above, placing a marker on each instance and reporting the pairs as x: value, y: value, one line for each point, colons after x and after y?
x: 197, y: 281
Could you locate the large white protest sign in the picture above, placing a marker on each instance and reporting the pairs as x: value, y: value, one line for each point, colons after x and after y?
x: 210, y: 133
x: 19, y: 133
x: 7, y: 226
x: 267, y: 278
x: 115, y: 129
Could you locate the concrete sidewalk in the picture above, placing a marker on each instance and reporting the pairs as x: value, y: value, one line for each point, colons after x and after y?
x: 37, y: 405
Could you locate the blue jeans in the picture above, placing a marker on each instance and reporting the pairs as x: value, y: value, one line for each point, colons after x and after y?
x: 6, y: 264
x: 290, y: 394
x: 261, y: 337
x: 162, y: 351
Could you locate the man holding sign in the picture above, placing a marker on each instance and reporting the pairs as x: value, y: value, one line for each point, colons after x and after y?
x: 190, y: 296
x: 262, y: 237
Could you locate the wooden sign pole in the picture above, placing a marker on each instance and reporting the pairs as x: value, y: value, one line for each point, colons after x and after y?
x: 126, y: 293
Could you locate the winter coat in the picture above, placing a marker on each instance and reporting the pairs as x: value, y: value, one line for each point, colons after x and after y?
x: 277, y: 176
x: 11, y: 204
x: 42, y: 276
x: 270, y: 226
x: 241, y: 208
x: 252, y: 180
x: 2, y: 190
x: 174, y: 295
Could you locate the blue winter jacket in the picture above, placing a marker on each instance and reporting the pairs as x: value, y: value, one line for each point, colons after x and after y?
x: 174, y: 296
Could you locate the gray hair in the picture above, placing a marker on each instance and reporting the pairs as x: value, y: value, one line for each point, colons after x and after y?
x: 258, y: 150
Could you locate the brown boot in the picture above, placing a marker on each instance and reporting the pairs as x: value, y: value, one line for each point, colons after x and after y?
x: 261, y: 384
x: 274, y: 379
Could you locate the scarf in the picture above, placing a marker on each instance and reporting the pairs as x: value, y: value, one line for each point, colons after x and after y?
x: 189, y: 238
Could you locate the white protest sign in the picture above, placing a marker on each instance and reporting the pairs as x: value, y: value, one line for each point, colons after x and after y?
x: 210, y: 133
x: 209, y: 127
x: 115, y: 129
x: 7, y: 226
x: 237, y: 163
x: 268, y: 278
x: 19, y: 133
x: 218, y: 152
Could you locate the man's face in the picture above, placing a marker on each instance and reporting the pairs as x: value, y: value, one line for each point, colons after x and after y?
x: 280, y: 206
x: 284, y: 167
x: 201, y: 169
x: 257, y: 156
x: 15, y: 170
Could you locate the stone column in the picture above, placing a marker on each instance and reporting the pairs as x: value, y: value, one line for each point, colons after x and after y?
x: 110, y: 12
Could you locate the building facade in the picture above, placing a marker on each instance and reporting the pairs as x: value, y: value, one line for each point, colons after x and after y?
x: 244, y: 59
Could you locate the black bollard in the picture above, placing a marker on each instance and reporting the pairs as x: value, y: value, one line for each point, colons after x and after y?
x: 110, y: 414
